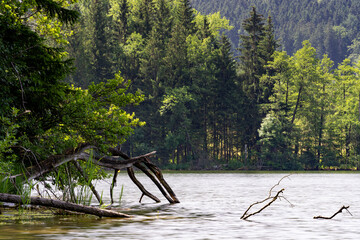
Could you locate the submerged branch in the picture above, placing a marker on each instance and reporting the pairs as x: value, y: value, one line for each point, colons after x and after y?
x: 113, y: 184
x: 131, y: 174
x: 271, y: 199
x: 340, y: 210
x: 159, y: 182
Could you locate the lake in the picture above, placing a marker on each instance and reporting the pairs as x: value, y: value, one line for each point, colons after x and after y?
x: 211, y: 207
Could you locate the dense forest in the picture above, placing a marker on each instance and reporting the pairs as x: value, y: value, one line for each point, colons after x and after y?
x: 78, y: 71
x: 331, y: 26
x: 203, y: 107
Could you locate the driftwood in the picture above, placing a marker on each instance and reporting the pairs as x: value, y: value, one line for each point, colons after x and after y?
x: 62, y: 205
x: 270, y: 200
x: 118, y: 161
x: 340, y: 210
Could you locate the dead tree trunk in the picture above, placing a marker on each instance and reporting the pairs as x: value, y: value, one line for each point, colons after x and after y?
x: 62, y: 205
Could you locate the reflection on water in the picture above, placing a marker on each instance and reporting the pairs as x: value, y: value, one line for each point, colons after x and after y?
x: 211, y: 207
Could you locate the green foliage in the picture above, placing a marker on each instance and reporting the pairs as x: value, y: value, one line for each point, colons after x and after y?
x: 275, y: 141
x: 97, y: 115
x: 271, y: 110
x: 40, y: 114
x: 121, y: 194
x: 9, y: 129
x: 331, y: 26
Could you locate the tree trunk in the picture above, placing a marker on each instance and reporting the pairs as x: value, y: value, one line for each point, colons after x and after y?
x: 297, y: 105
x: 11, y: 198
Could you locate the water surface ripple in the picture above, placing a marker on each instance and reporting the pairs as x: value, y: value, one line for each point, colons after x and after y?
x: 211, y: 207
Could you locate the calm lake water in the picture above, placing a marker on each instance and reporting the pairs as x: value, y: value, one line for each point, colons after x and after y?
x: 211, y: 207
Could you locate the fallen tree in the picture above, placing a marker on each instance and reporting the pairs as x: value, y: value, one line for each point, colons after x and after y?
x: 54, y: 203
x: 117, y: 161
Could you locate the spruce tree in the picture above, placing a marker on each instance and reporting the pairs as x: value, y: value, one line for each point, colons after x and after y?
x: 251, y: 59
x: 268, y: 46
x: 145, y: 16
x: 123, y: 20
x: 101, y: 62
x: 257, y: 47
x: 186, y: 16
x: 163, y: 20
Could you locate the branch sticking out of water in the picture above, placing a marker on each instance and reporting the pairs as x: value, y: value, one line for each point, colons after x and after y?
x: 340, y: 210
x: 270, y: 198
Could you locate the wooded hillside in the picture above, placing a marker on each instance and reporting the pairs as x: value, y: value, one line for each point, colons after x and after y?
x: 332, y: 26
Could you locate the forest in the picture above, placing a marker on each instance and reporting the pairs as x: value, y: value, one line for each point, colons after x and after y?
x: 207, y: 105
x: 331, y: 26
x: 145, y: 75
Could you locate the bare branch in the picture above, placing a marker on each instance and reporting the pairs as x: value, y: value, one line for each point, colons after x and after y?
x: 340, y: 210
x: 154, y: 169
x: 131, y: 174
x: 271, y: 189
x: 113, y: 184
x: 269, y: 198
x: 267, y: 205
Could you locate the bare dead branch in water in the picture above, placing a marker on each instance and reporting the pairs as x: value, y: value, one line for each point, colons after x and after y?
x: 113, y: 184
x: 340, y: 210
x: 278, y: 183
x: 270, y: 198
x: 156, y: 177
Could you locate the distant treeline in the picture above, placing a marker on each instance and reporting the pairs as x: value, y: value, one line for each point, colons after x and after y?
x: 331, y: 26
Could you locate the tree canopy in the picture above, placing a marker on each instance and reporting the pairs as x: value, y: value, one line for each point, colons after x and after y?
x: 331, y: 26
x: 41, y: 114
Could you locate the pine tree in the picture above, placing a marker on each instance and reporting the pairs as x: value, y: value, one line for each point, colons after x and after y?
x: 268, y: 46
x: 186, y: 16
x: 176, y: 60
x: 205, y: 29
x: 101, y: 62
x: 163, y: 20
x: 256, y: 48
x: 225, y: 98
x: 145, y: 19
x: 123, y: 20
x: 252, y: 63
